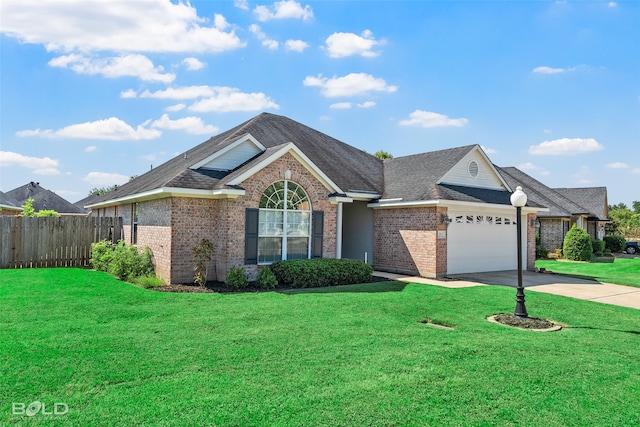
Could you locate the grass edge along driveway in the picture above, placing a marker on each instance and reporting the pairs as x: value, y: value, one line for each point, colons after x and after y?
x: 117, y: 354
x: 623, y: 271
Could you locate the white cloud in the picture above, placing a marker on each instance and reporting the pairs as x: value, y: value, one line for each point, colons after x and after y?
x: 105, y: 178
x: 226, y: 99
x: 241, y: 4
x: 192, y: 125
x: 341, y: 45
x: 566, y: 146
x: 550, y: 70
x: 636, y: 171
x: 488, y: 150
x: 38, y: 165
x: 340, y: 105
x: 527, y: 166
x: 193, y: 64
x: 296, y: 45
x: 428, y: 119
x: 285, y: 9
x: 184, y: 92
x: 90, y: 149
x: 177, y: 107
x: 116, y: 26
x: 367, y: 104
x: 617, y: 165
x: 215, y: 98
x: 350, y: 85
x: 133, y: 65
x: 613, y: 4
x: 112, y: 129
x: 129, y: 93
x: 266, y: 42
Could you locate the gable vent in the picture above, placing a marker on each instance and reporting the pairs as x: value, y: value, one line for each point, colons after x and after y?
x: 472, y: 168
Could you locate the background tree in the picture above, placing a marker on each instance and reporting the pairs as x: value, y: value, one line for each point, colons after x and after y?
x: 99, y: 191
x: 624, y: 221
x: 381, y: 154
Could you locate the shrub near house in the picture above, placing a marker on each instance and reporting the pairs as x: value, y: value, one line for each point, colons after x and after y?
x: 577, y: 245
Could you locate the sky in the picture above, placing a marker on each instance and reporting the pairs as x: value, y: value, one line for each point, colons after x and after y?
x: 94, y: 92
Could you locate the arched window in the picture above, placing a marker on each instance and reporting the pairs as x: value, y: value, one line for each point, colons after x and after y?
x: 284, y: 230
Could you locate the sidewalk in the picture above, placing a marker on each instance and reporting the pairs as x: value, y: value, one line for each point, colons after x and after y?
x: 556, y: 284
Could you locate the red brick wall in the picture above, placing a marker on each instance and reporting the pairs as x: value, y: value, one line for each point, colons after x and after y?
x: 406, y: 241
x: 551, y: 234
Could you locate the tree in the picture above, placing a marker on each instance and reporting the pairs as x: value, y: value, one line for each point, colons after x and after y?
x: 27, y: 208
x: 624, y: 221
x: 577, y: 245
x: 381, y: 154
x: 102, y: 190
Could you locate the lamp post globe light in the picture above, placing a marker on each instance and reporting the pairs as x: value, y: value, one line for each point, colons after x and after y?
x: 518, y: 200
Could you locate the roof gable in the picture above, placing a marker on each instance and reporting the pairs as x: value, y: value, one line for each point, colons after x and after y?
x: 474, y: 170
x: 593, y: 199
x: 43, y: 199
x: 233, y: 155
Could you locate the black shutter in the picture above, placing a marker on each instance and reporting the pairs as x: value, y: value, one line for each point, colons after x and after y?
x: 251, y: 236
x: 317, y: 234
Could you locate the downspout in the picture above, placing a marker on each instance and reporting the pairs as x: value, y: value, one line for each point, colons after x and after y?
x: 339, y: 232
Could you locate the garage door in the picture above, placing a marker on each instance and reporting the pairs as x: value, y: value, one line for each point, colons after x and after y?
x: 482, y: 241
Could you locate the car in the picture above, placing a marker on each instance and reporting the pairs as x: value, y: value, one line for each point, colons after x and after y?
x: 632, y: 248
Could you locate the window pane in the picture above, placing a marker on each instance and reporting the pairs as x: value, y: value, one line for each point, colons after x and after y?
x: 269, y: 249
x: 298, y: 223
x: 270, y: 223
x: 297, y: 248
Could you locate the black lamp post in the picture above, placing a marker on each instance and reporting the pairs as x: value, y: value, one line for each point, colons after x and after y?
x: 518, y: 200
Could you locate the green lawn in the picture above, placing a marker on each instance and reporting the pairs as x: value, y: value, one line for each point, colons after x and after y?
x: 623, y: 271
x: 118, y: 355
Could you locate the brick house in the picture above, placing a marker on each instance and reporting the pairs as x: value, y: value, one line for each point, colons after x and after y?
x: 272, y: 188
x: 9, y: 206
x: 584, y: 207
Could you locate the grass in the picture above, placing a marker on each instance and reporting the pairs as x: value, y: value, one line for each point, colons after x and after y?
x: 118, y: 354
x: 623, y: 271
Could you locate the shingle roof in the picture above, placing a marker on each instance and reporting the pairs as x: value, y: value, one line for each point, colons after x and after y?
x: 9, y: 202
x: 350, y: 168
x: 558, y: 202
x: 414, y: 177
x: 86, y: 201
x: 43, y: 199
x: 592, y: 198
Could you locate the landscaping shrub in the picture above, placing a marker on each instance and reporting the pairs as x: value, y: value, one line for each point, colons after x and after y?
x: 101, y: 255
x: 541, y: 252
x: 266, y: 279
x: 614, y: 244
x: 597, y: 247
x: 237, y: 278
x: 124, y: 262
x: 148, y: 282
x: 577, y: 245
x: 128, y: 263
x: 202, y: 254
x: 312, y: 273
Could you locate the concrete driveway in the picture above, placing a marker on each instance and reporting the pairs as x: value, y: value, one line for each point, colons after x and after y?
x: 557, y: 284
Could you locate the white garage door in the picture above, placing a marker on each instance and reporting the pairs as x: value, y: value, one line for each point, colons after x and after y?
x: 482, y: 241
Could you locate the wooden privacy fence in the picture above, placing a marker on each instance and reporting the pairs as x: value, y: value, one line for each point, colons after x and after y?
x: 32, y: 242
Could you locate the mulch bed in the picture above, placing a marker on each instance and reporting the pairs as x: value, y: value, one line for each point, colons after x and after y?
x: 532, y: 323
x: 219, y: 287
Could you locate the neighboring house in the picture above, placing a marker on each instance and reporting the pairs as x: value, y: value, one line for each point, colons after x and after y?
x: 584, y: 207
x: 272, y: 188
x: 44, y: 199
x: 9, y: 206
x: 86, y: 201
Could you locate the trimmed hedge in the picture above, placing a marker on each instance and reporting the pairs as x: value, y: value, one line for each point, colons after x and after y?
x: 321, y: 272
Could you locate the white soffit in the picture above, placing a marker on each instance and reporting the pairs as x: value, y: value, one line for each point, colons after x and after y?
x: 289, y: 147
x: 475, y: 170
x: 233, y: 155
